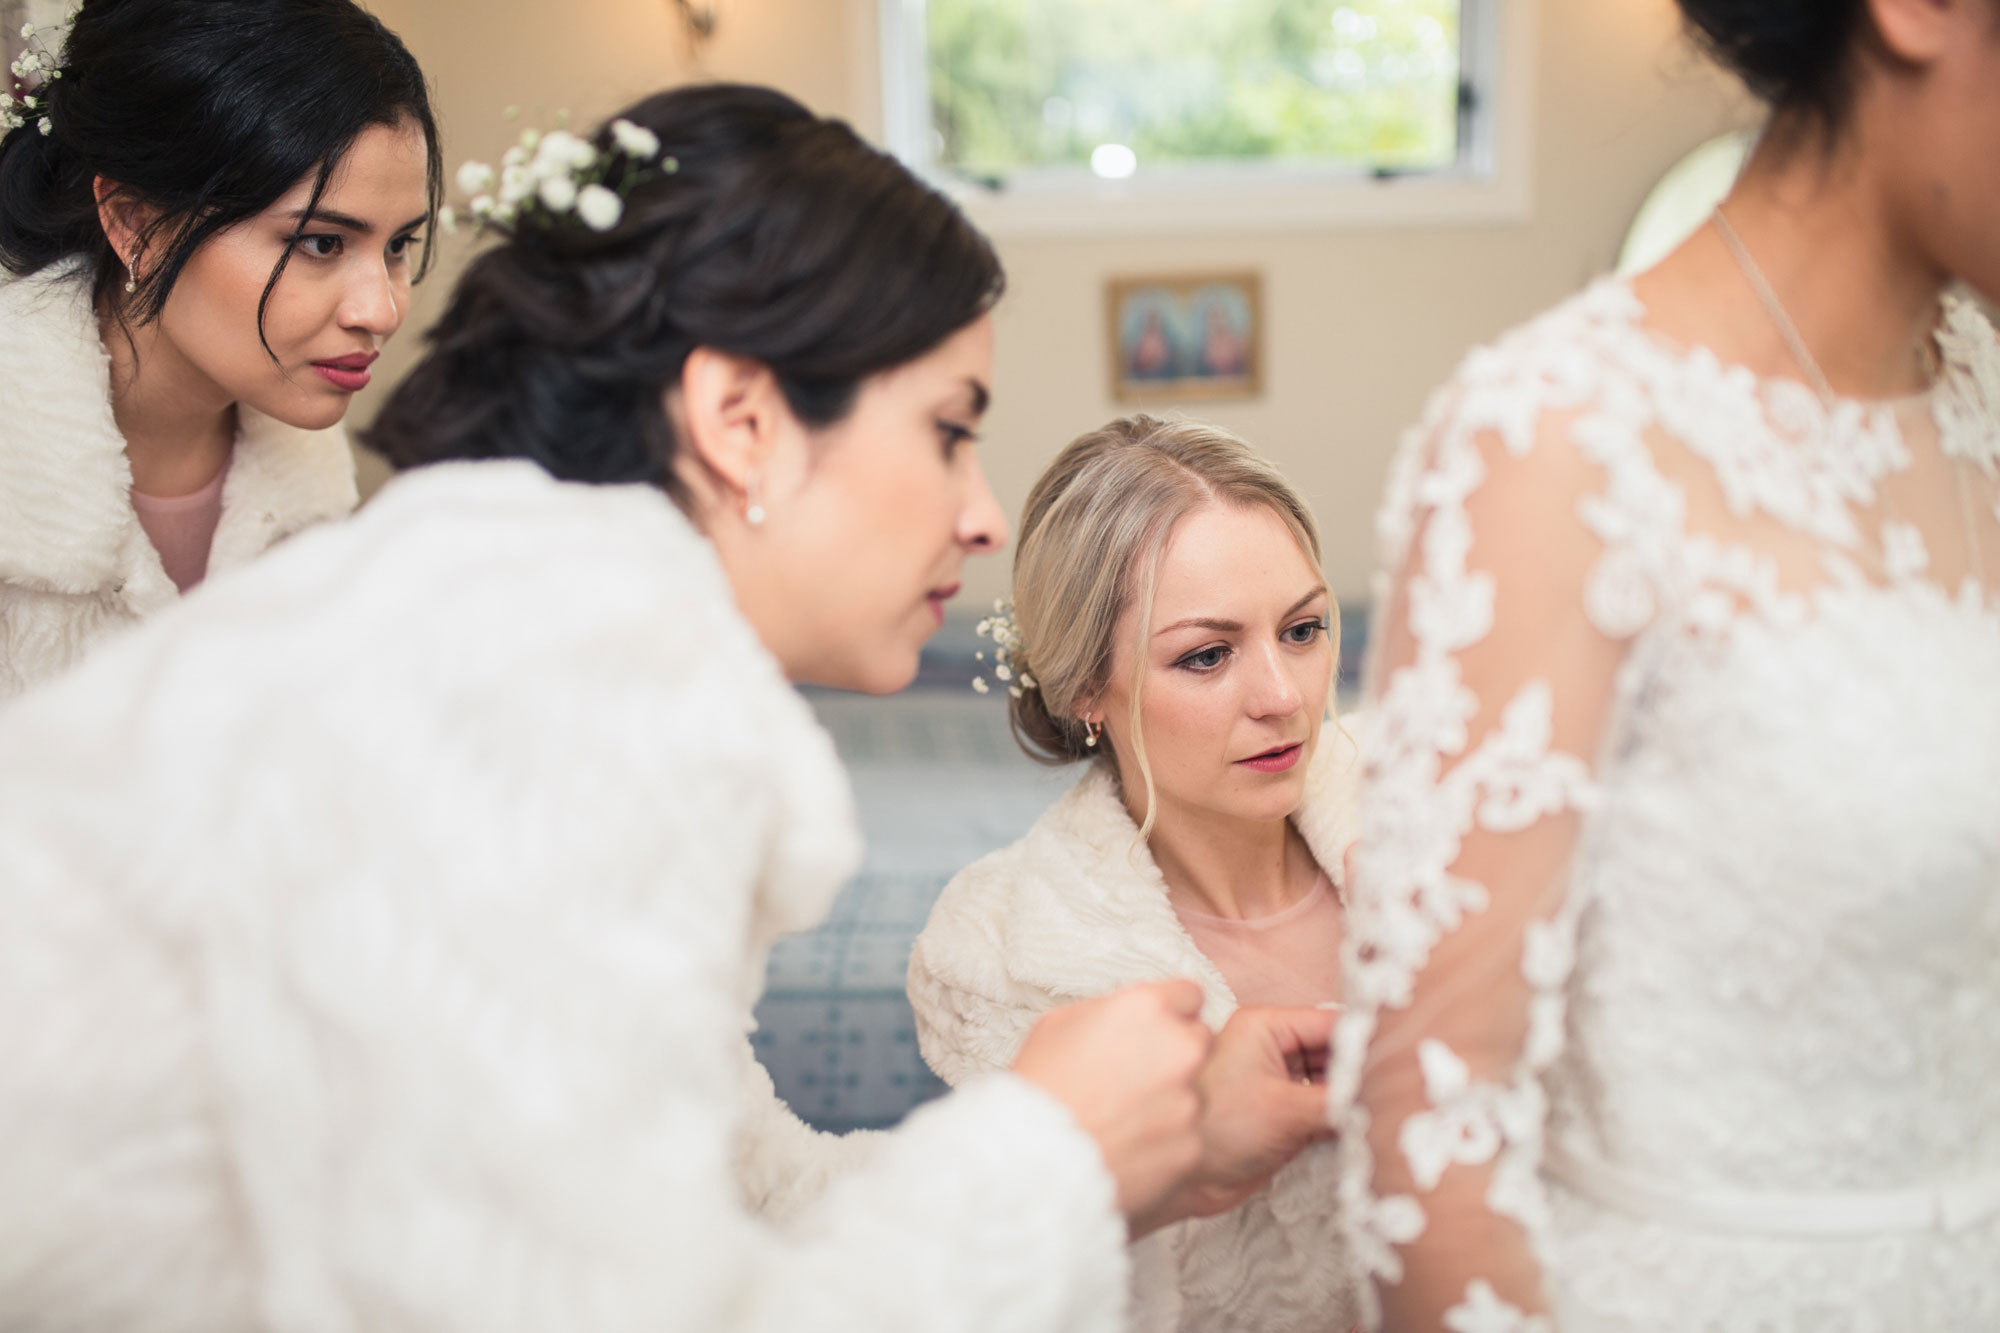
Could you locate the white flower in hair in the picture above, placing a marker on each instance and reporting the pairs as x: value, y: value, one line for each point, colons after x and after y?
x: 561, y: 175
x: 634, y: 140
x: 557, y: 193
x: 1005, y: 631
x: 475, y: 178
x: 561, y: 153
x: 599, y: 208
x: 516, y: 184
x: 33, y: 62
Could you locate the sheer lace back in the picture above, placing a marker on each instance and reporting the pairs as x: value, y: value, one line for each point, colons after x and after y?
x: 1681, y: 858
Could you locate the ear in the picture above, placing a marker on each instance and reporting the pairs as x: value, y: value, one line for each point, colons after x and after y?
x: 1919, y: 31
x: 730, y: 412
x: 125, y: 221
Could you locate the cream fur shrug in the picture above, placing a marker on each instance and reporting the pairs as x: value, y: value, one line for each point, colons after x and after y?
x: 74, y: 563
x: 379, y: 930
x: 1077, y: 908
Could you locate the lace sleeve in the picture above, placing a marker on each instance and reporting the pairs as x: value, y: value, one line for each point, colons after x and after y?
x: 1503, y: 633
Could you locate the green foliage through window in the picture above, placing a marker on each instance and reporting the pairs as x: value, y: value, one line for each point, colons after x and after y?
x: 1035, y: 83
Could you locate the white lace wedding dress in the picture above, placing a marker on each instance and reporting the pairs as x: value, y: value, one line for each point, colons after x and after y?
x: 1675, y: 942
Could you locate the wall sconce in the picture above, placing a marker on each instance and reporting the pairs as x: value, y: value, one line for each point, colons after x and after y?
x: 700, y: 18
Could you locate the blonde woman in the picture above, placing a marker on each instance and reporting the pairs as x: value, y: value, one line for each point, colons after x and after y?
x: 1173, y: 633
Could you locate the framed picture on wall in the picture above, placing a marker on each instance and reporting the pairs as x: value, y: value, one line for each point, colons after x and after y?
x: 1186, y: 337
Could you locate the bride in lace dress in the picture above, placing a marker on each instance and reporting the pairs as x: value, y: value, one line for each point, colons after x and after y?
x: 1674, y: 961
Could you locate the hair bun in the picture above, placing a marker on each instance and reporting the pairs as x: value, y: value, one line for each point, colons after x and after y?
x: 1794, y: 54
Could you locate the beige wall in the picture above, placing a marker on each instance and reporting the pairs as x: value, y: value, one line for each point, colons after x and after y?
x: 1362, y: 323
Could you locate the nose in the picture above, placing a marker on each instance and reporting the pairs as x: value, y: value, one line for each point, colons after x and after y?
x: 1271, y: 690
x: 982, y: 523
x: 375, y: 301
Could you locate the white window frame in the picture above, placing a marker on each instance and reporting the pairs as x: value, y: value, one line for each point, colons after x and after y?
x: 1491, y: 182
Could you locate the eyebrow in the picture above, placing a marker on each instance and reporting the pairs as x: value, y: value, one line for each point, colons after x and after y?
x: 350, y: 222
x: 1236, y: 627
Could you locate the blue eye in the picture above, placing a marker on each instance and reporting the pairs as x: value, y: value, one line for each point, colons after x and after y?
x: 1305, y: 632
x: 1206, y: 659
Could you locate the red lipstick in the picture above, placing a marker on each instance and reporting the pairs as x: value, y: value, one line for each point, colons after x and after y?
x: 1275, y: 761
x: 347, y: 373
x: 937, y: 597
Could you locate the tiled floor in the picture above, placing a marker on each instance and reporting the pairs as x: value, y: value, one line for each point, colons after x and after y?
x: 939, y: 783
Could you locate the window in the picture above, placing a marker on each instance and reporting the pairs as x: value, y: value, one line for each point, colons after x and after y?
x: 1087, y: 114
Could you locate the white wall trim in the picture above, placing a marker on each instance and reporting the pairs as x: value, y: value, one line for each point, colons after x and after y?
x: 1496, y: 185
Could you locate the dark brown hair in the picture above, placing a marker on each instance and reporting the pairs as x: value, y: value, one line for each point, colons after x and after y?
x: 779, y: 236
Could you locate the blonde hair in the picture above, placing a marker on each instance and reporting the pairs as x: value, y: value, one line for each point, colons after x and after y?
x: 1089, y: 549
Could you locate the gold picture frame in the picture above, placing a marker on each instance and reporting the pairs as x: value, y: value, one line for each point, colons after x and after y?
x: 1185, y: 337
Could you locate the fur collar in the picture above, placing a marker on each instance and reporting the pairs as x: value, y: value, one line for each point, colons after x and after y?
x: 66, y: 518
x: 1080, y: 907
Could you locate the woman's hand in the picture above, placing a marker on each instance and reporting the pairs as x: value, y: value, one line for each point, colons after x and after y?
x: 1130, y: 1067
x: 1264, y: 1094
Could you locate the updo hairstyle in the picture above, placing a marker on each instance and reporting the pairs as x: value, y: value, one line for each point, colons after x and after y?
x: 1091, y: 538
x: 207, y: 111
x: 1796, y: 55
x: 778, y: 236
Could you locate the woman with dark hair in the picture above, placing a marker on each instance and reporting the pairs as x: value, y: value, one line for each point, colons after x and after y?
x: 212, y: 209
x: 1674, y: 942
x: 379, y: 931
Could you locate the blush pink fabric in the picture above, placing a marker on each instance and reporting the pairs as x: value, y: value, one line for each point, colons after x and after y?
x: 182, y: 528
x: 1288, y: 958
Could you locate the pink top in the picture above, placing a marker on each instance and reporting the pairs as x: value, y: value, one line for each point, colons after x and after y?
x: 1288, y: 958
x: 182, y: 528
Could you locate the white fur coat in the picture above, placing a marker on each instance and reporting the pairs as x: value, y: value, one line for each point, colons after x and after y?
x: 74, y: 563
x: 1077, y: 908
x: 379, y: 931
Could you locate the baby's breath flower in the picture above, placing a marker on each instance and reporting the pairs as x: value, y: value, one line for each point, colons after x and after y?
x: 979, y: 685
x: 560, y: 175
x: 1001, y: 628
x: 561, y: 151
x: 557, y: 193
x: 448, y: 218
x: 45, y: 126
x: 475, y: 178
x: 27, y: 32
x: 634, y: 140
x: 516, y: 184
x: 599, y: 208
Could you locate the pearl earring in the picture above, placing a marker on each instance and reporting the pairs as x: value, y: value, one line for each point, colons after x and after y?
x: 753, y: 507
x: 131, y: 282
x: 1090, y: 732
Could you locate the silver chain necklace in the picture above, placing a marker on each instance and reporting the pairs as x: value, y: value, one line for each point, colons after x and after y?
x: 1795, y: 343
